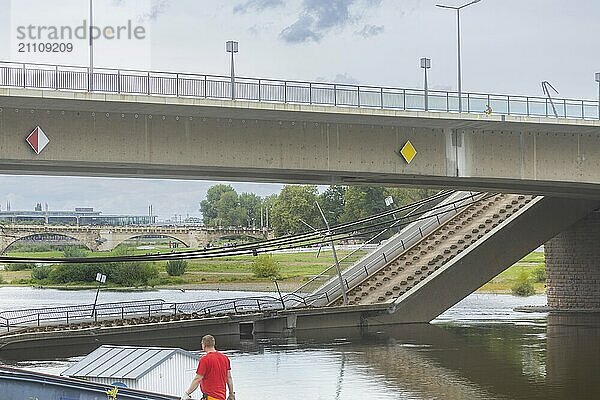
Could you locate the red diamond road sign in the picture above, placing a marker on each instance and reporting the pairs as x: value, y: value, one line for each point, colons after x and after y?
x: 38, y: 140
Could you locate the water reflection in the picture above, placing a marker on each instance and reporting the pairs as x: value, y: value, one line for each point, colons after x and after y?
x: 573, y: 361
x: 457, y: 363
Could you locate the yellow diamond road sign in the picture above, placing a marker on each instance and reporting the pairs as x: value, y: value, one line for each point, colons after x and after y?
x: 408, y: 151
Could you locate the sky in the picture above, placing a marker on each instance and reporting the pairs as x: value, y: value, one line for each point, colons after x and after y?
x: 508, y: 47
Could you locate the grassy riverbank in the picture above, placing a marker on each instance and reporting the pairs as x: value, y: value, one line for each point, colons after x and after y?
x: 527, y: 267
x: 235, y: 273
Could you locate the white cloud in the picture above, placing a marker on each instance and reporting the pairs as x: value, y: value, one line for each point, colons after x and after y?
x: 318, y: 17
x: 256, y: 5
x: 370, y: 30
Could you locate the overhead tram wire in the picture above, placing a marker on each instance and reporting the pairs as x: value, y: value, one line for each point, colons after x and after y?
x: 322, y: 231
x: 255, y: 248
x: 223, y: 251
x: 308, y: 235
x: 340, y: 232
x: 290, y: 242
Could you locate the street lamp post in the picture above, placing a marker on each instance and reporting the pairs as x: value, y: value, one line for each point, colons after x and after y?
x: 597, y: 76
x: 91, y: 42
x: 426, y: 64
x: 280, y: 296
x: 458, y: 46
x: 100, y: 278
x: 232, y: 47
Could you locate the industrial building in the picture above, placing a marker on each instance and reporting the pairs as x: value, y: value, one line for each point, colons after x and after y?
x: 80, y: 216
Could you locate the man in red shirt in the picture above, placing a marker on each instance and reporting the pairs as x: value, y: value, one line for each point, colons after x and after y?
x: 212, y: 374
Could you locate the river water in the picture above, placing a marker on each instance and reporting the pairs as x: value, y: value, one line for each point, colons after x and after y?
x: 479, y: 349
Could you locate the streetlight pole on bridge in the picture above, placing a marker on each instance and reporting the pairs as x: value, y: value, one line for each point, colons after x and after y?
x: 426, y: 64
x: 598, y: 80
x: 232, y: 47
x: 91, y: 42
x: 458, y: 46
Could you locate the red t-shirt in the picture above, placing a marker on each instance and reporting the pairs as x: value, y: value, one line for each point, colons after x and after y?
x: 213, y: 367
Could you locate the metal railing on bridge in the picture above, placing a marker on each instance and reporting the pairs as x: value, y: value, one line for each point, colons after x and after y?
x: 87, y: 313
x: 78, y: 313
x: 177, y: 84
x: 437, y: 216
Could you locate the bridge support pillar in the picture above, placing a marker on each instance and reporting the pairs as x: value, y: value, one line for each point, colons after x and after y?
x: 573, y: 266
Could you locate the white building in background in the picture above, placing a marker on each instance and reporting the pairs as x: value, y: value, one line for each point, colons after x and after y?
x: 154, y: 369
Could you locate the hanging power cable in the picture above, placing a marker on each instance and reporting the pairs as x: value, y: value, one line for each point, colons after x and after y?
x: 360, y: 228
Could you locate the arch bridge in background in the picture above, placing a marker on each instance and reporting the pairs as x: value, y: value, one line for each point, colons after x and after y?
x: 106, y: 238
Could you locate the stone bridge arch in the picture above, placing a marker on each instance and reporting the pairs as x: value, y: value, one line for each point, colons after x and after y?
x: 116, y: 242
x: 207, y: 235
x: 111, y: 237
x: 106, y: 238
x: 9, y: 236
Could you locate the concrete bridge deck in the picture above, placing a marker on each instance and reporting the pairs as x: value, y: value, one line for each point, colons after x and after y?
x: 473, y: 247
x: 479, y: 243
x: 165, y: 136
x: 435, y: 250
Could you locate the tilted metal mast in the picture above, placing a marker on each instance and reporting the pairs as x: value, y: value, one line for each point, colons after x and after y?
x: 545, y: 86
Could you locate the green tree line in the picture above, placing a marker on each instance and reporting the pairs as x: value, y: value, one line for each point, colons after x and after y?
x: 284, y: 212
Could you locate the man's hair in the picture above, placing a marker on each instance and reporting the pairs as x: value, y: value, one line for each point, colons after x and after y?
x: 208, y: 340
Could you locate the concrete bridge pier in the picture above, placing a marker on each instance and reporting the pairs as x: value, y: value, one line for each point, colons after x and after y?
x: 573, y: 266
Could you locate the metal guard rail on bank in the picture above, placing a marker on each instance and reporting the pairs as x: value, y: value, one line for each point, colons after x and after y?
x: 119, y: 81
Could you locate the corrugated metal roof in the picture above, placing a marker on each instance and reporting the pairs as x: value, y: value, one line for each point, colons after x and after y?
x: 123, y: 362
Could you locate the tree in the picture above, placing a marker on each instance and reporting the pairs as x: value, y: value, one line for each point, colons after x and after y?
x: 332, y: 203
x: 265, y: 266
x: 74, y: 252
x: 19, y: 266
x: 41, y: 272
x: 229, y: 212
x: 293, y: 204
x: 176, y: 267
x: 130, y: 273
x: 221, y: 207
x: 250, y: 205
x: 362, y: 201
x: 134, y: 273
x: 523, y: 285
x: 208, y: 207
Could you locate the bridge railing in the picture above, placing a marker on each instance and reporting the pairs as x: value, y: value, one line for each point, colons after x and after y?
x: 226, y: 306
x: 121, y: 81
x: 79, y: 313
x: 315, y: 288
x: 31, y: 318
x: 435, y: 218
x: 402, y: 218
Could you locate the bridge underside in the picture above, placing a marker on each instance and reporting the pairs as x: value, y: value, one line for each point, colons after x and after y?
x: 162, y: 137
